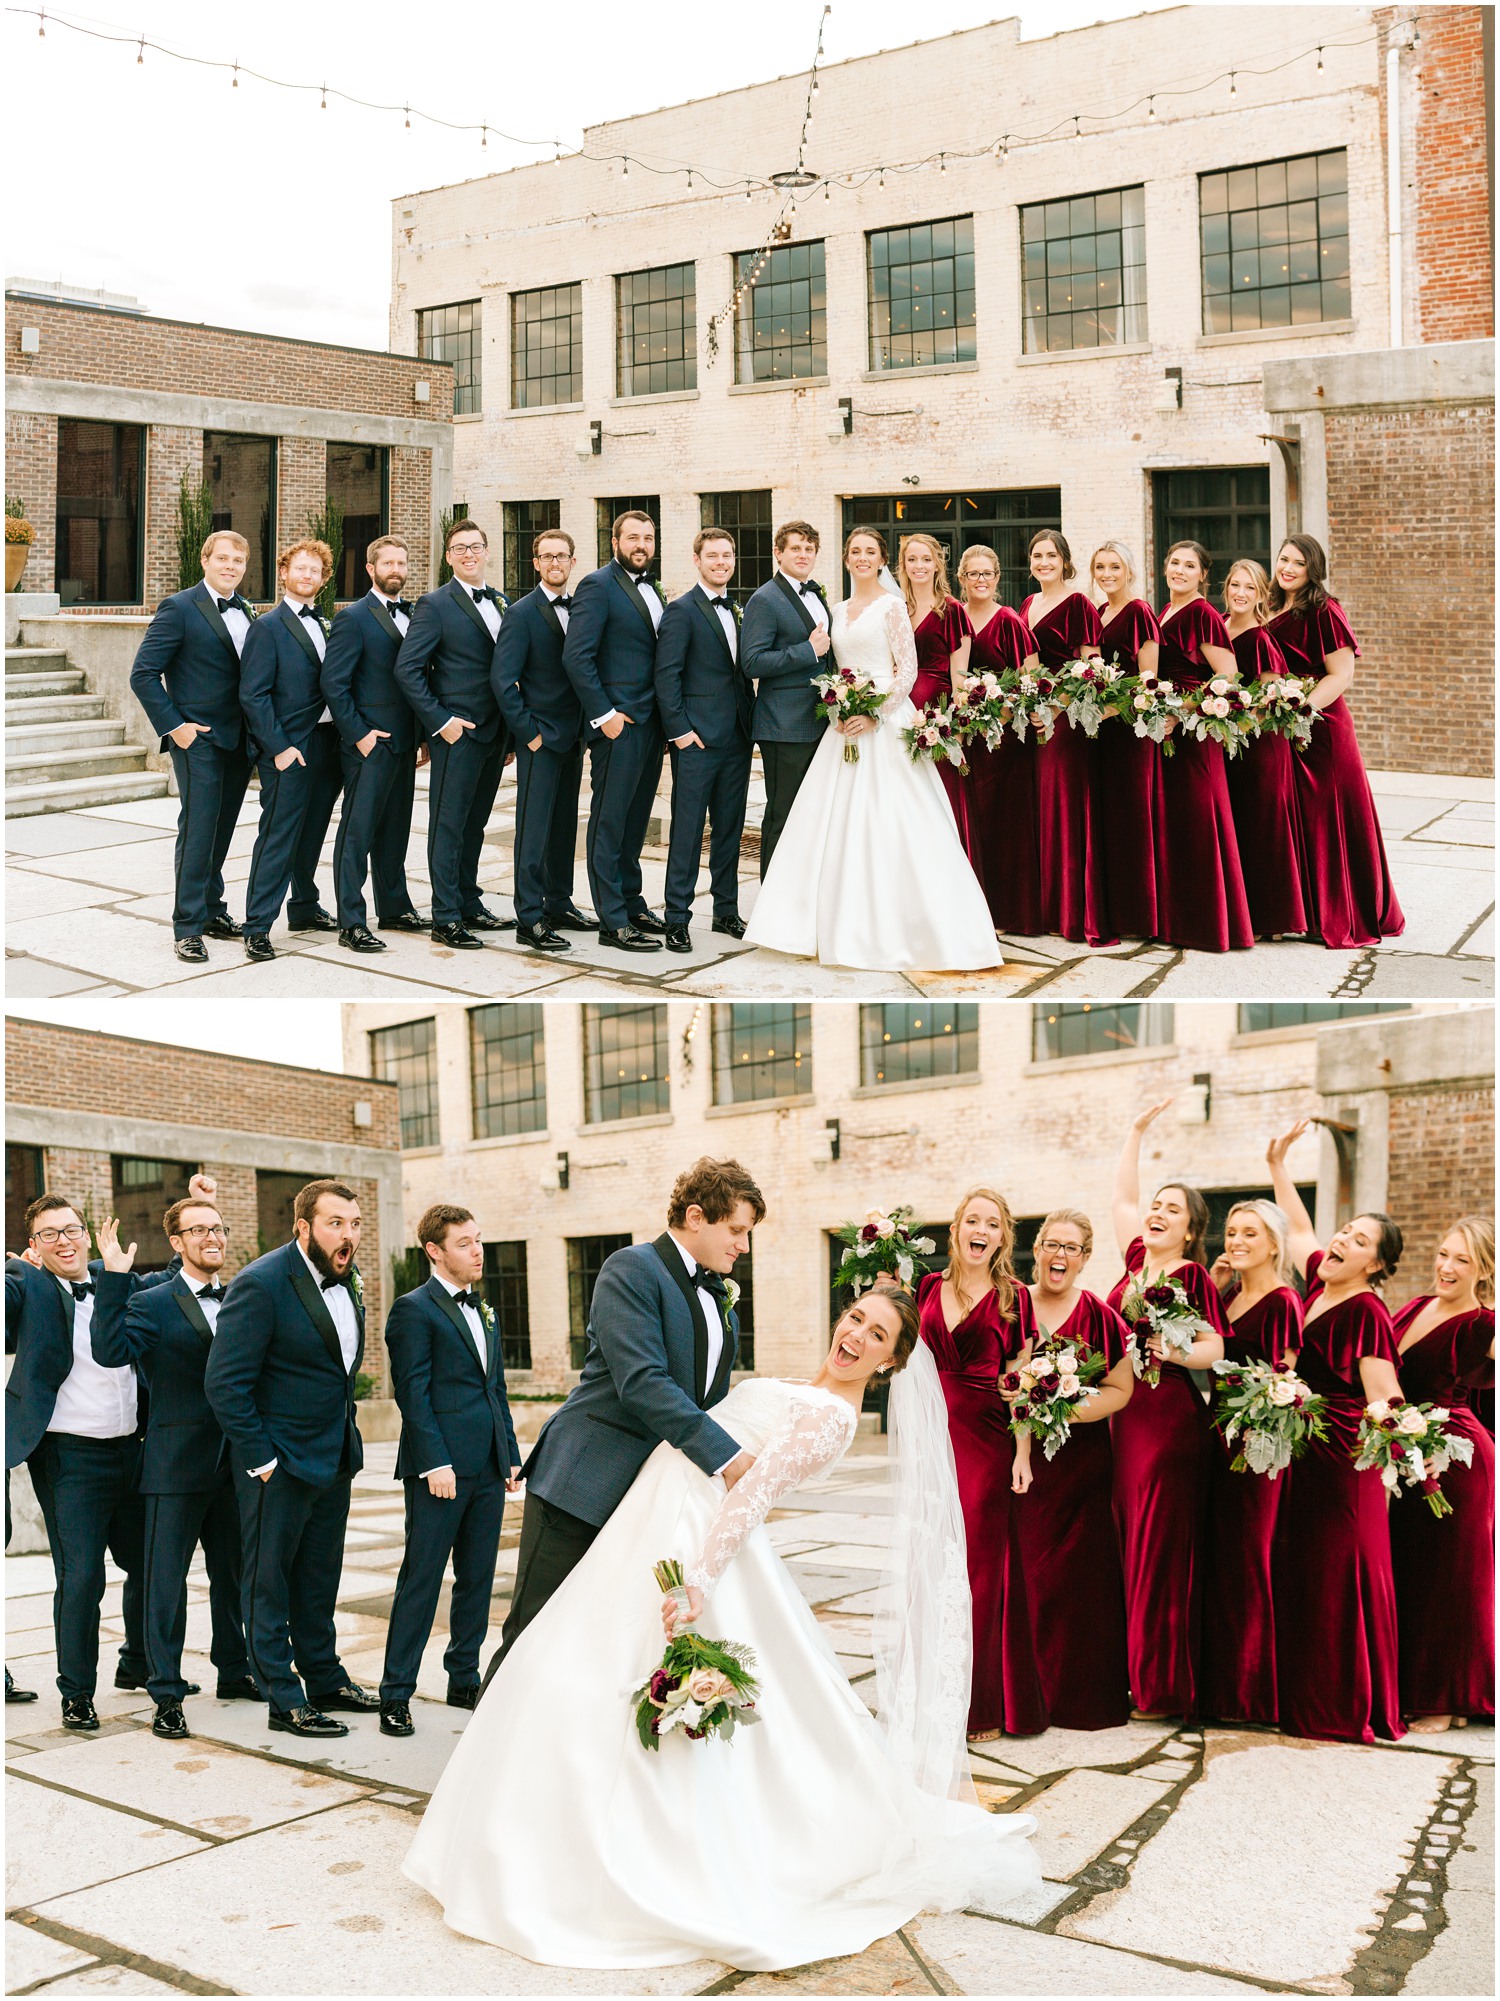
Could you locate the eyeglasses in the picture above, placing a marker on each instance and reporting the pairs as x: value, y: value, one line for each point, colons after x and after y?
x: 74, y: 1232
x: 464, y: 548
x: 205, y: 1230
x: 1050, y: 1247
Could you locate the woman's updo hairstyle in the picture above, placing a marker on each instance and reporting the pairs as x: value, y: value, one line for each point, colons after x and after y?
x: 1388, y: 1246
x: 875, y: 536
x: 1059, y: 542
x: 906, y: 1312
x: 1205, y: 561
x: 1195, y: 1249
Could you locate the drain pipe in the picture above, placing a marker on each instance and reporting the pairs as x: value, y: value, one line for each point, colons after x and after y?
x: 1403, y: 35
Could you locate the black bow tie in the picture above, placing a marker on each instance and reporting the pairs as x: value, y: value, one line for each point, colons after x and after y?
x: 563, y: 604
x: 308, y: 611
x: 711, y: 1282
x: 213, y: 1292
x: 466, y: 1298
x: 81, y: 1290
x: 398, y: 604
x: 229, y: 604
x: 483, y: 591
x: 720, y: 604
x: 331, y: 1284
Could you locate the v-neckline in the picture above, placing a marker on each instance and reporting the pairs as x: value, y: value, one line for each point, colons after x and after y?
x: 1404, y: 1347
x: 854, y: 617
x: 1036, y: 598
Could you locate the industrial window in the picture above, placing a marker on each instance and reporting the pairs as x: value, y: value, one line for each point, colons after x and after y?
x: 1003, y: 521
x: 1089, y: 1028
x: 141, y: 1193
x: 1084, y: 271
x: 23, y: 1184
x: 507, y: 1063
x: 921, y: 288
x: 546, y: 347
x: 781, y: 320
x: 241, y: 472
x: 359, y: 481
x: 624, y: 1061
x: 99, y: 484
x: 743, y: 1276
x: 761, y: 1050
x: 1275, y: 243
x: 1256, y: 1015
x: 609, y: 510
x: 586, y: 1257
x: 453, y: 334
x: 406, y: 1056
x: 656, y: 330
x: 748, y: 518
x: 504, y: 1286
x: 523, y: 519
x: 903, y: 1041
x: 1226, y: 508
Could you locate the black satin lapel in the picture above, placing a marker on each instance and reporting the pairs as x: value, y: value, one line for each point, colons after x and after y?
x: 311, y: 1296
x: 666, y: 1249
x: 633, y: 593
x: 192, y: 1312
x: 466, y: 599
x: 455, y: 1313
x: 382, y: 615
x: 210, y: 611
x: 796, y: 600
x: 549, y: 612
x: 713, y: 618
x: 299, y: 626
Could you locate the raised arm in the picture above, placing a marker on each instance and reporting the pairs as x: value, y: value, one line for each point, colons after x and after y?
x: 1127, y: 1195
x: 1304, y: 1239
x: 816, y: 1437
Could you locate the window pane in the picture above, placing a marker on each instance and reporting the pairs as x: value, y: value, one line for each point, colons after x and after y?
x: 586, y: 1257
x: 141, y: 1191
x: 656, y: 330
x: 1075, y: 240
x: 508, y: 1067
x: 748, y: 516
x: 242, y: 473
x: 23, y: 1184
x: 625, y: 1061
x: 761, y: 1051
x: 358, y: 478
x: 1256, y: 1015
x: 504, y: 1286
x: 523, y: 520
x: 1281, y: 216
x: 99, y: 512
x: 930, y: 277
x: 781, y: 321
x: 546, y: 347
x: 900, y: 1040
x: 452, y: 333
x: 406, y: 1056
x: 1226, y: 508
x: 1086, y: 1028
x: 607, y: 512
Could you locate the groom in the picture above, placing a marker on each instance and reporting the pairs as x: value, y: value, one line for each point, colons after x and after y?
x: 662, y: 1339
x: 783, y: 641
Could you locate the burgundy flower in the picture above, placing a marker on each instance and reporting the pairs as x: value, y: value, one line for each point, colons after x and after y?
x: 1021, y: 1410
x: 1282, y: 1368
x: 831, y: 699
x: 1159, y: 1295
x: 662, y: 1685
x: 1011, y: 1381
x: 869, y: 1234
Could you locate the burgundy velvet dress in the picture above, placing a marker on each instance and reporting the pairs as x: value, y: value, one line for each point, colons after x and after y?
x: 1200, y: 891
x: 1347, y: 884
x: 1161, y: 1451
x: 1069, y: 838
x: 1006, y: 1692
x: 1445, y: 1570
x: 1267, y: 810
x: 1335, y: 1599
x: 938, y: 638
x: 1129, y: 788
x: 1002, y: 793
x: 1239, y: 1623
x: 1072, y: 1554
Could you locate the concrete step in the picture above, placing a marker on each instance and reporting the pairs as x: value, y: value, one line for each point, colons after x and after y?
x: 69, y: 795
x: 34, y: 659
x: 66, y: 708
x: 61, y: 733
x: 32, y: 687
x: 31, y: 767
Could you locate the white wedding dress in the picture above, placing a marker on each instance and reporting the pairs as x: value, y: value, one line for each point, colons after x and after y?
x: 869, y: 870
x: 553, y: 1833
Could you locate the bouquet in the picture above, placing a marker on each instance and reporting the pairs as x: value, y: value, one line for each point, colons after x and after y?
x: 1281, y: 706
x: 1032, y: 700
x: 938, y: 733
x: 980, y: 709
x: 1222, y: 712
x: 1048, y: 1388
x: 1411, y: 1448
x: 1148, y: 706
x: 703, y: 1687
x: 882, y: 1242
x: 1087, y: 690
x: 1270, y: 1410
x: 846, y: 695
x: 1163, y: 1308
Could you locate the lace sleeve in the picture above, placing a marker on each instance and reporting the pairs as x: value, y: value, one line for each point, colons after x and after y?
x: 903, y: 651
x: 816, y: 1437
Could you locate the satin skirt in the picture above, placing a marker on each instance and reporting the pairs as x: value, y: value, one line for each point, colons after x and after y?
x: 1445, y: 1588
x: 1161, y: 1451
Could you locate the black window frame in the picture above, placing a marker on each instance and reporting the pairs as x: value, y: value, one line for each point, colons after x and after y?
x: 931, y: 1025
x: 461, y: 345
x: 668, y: 321
x: 909, y: 248
x: 585, y: 1259
x: 350, y: 581
x: 567, y: 305
x: 135, y: 560
x: 275, y: 1192
x: 259, y: 584
x: 782, y: 1076
x: 1309, y: 1014
x: 1228, y: 527
x: 743, y: 1276
x: 625, y: 1091
x: 1067, y: 249
x: 781, y: 288
x: 507, y: 1289
x: 1243, y: 262
x: 520, y: 522
x: 747, y: 514
x: 1003, y: 519
x: 140, y: 1201
x: 607, y: 510
x: 1091, y: 1023
x: 25, y: 1180
x: 432, y: 1113
x: 518, y: 1114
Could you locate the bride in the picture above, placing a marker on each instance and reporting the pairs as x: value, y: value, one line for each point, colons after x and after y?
x: 870, y: 870
x: 554, y: 1834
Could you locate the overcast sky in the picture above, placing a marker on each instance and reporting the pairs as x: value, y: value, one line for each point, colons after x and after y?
x: 254, y: 208
x: 304, y: 1033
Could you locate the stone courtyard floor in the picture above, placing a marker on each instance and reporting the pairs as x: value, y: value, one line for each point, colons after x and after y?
x: 1176, y: 1861
x: 88, y: 899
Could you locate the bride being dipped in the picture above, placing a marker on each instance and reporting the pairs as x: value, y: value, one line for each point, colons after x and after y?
x: 554, y: 1834
x: 869, y: 870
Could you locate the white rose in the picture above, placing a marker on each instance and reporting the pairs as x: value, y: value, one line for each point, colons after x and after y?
x: 1218, y: 685
x: 1165, y: 687
x: 1380, y: 1408
x: 1389, y: 1477
x: 885, y: 1225
x: 1143, y: 701
x: 1436, y: 1416
x: 1069, y: 1386
x: 1283, y: 1392
x: 1067, y: 1360
x: 1412, y: 1422
x: 1041, y: 1365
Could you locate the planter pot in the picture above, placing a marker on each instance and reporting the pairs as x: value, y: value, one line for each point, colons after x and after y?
x: 15, y: 563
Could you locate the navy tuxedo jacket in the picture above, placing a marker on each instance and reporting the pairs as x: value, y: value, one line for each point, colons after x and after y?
x: 39, y: 1333
x: 187, y: 671
x: 454, y: 1411
x: 163, y: 1333
x: 281, y: 688
x: 446, y: 660
x: 610, y: 652
x: 775, y: 652
x: 531, y: 685
x: 359, y: 675
x: 275, y: 1378
x: 699, y: 686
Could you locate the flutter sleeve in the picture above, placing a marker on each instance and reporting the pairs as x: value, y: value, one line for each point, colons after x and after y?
x: 815, y: 1437
x: 1330, y: 632
x: 903, y: 650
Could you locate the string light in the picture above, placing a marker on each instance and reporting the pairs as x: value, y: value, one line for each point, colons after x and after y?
x: 42, y: 26
x: 1320, y: 62
x: 141, y: 52
x: 324, y: 105
x: 1232, y: 91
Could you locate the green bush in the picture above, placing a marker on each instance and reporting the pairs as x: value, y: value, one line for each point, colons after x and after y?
x: 326, y: 524
x: 195, y: 523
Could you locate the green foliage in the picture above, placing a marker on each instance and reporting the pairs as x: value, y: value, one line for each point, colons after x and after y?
x: 445, y: 523
x: 326, y: 524
x: 408, y: 1270
x: 195, y: 523
x: 363, y: 1385
x: 15, y: 508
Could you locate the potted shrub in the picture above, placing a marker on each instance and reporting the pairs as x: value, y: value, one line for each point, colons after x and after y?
x: 19, y: 536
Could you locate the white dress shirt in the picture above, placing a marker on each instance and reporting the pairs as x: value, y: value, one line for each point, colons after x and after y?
x: 726, y: 619
x: 563, y: 611
x: 652, y: 601
x: 816, y: 610
x: 474, y: 1321
x: 400, y: 619
x: 489, y: 611
x: 236, y: 622
x: 315, y: 630
x: 92, y: 1402
x: 210, y: 1306
x: 345, y: 1324
x: 715, y: 1322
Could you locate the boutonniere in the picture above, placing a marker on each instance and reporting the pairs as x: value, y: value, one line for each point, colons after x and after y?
x: 487, y: 1316
x: 357, y: 1287
x: 248, y: 609
x: 731, y: 1299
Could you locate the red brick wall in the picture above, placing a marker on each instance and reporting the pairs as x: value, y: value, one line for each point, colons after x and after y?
x: 411, y: 512
x: 1411, y: 504
x: 171, y: 451
x: 301, y: 486
x: 31, y: 475
x: 1442, y: 1166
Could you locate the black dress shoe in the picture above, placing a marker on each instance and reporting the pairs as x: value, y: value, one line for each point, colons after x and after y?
x: 223, y: 927
x: 79, y: 1713
x: 409, y: 920
x: 125, y: 1679
x: 395, y: 1719
x: 678, y: 939
x: 241, y: 1688
x: 733, y: 927
x: 14, y: 1694
x: 647, y: 920
x: 486, y: 920
x: 629, y: 940
x: 305, y: 1721
x: 193, y: 950
x: 169, y: 1720
x: 320, y: 920
x: 258, y: 946
x: 359, y: 938
x: 350, y: 1696
x: 463, y: 1695
x: 458, y: 936
x: 571, y: 919
x: 541, y: 938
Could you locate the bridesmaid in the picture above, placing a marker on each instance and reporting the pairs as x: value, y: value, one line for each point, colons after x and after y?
x: 1239, y: 1625
x: 1445, y: 1570
x: 1063, y: 625
x: 1067, y: 1525
x: 1002, y: 784
x: 1200, y: 890
x: 940, y: 627
x: 976, y: 1319
x: 1162, y: 1447
x: 1335, y: 1600
x: 1346, y: 882
x: 1262, y: 780
x: 1129, y: 766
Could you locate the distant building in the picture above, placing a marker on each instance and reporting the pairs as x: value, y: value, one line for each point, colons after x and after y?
x: 564, y: 1124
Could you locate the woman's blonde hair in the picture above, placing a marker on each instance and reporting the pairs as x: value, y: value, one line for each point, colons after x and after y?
x: 1478, y: 1232
x: 1002, y: 1270
x: 977, y: 549
x: 941, y: 590
x: 1077, y: 1218
x: 1278, y: 1229
x: 1259, y: 580
x: 1113, y: 548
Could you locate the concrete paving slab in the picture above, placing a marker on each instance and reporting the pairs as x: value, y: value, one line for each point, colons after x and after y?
x: 106, y: 944
x: 37, y: 979
x: 213, y: 1791
x: 29, y: 1613
x: 144, y: 868
x: 299, y: 976
x: 1418, y: 976
x: 1081, y: 1815
x: 253, y: 1916
x: 887, y: 1967
x: 492, y: 973
x: 1462, y: 1959
x: 1104, y: 978
x: 1440, y: 903
x: 31, y: 1955
x: 995, y: 983
x: 110, y: 1980
x: 411, y: 1762
x: 1263, y: 1806
x: 1477, y: 1742
x: 762, y: 975
x: 849, y: 1555
x: 31, y: 893
x: 823, y: 1587
x: 1433, y: 784
x: 1067, y: 1750
x: 54, y: 1843
x: 63, y: 833
x: 1266, y: 972
x: 987, y: 1956
x: 155, y: 814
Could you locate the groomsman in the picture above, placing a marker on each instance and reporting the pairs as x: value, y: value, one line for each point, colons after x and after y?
x: 378, y: 736
x: 298, y: 749
x: 784, y: 639
x: 165, y: 1333
x: 186, y: 676
x: 541, y: 709
x: 705, y: 703
x: 610, y: 657
x: 457, y: 1457
x: 280, y: 1380
x: 444, y: 671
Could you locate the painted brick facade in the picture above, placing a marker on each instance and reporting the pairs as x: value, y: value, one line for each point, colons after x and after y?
x: 1442, y: 1148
